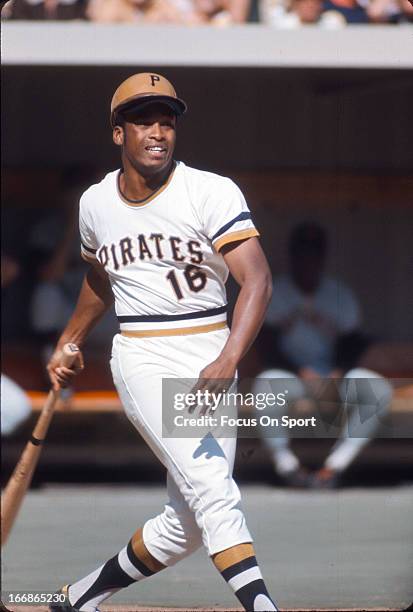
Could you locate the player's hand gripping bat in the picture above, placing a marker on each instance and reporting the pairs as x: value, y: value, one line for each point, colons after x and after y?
x: 21, y: 478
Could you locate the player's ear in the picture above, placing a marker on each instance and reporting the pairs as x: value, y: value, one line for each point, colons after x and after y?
x: 118, y: 135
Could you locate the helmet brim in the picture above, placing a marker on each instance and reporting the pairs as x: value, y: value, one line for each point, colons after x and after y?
x: 177, y: 105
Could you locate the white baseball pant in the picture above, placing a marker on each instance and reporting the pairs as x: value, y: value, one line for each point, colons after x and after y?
x: 204, y: 501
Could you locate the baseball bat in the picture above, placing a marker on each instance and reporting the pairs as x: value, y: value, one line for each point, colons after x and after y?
x: 23, y: 472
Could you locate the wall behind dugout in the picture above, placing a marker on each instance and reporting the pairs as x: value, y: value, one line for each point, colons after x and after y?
x: 239, y: 118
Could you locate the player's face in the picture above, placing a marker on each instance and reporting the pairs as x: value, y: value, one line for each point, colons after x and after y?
x: 148, y: 138
x: 307, y: 270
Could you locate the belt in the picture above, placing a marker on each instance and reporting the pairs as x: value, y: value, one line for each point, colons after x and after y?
x: 177, y: 331
x: 199, y: 314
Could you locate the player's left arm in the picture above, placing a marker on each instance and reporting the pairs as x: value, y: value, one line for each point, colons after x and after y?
x: 249, y: 267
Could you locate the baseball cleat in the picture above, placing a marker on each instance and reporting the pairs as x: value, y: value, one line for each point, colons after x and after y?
x: 325, y: 479
x: 65, y: 605
x: 62, y: 606
x: 297, y: 479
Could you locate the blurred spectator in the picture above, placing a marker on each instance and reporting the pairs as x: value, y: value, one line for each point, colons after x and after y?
x: 17, y: 278
x: 41, y: 255
x: 345, y: 11
x: 55, y: 247
x: 15, y: 405
x: 406, y: 11
x: 6, y: 9
x: 223, y: 12
x: 190, y: 12
x: 60, y: 270
x: 312, y: 332
x: 46, y: 9
x: 382, y: 11
x: 389, y: 11
x: 306, y: 11
x: 288, y: 14
x: 113, y: 11
x: 297, y: 13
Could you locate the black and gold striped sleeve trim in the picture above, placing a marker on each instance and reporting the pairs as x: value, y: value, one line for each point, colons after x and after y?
x: 241, y: 217
x: 87, y: 253
x: 88, y: 249
x: 235, y: 237
x: 88, y: 258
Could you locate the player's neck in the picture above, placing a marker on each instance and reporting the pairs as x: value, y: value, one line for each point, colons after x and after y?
x: 135, y: 186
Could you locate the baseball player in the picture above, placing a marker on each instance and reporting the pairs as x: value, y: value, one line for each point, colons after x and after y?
x: 313, y: 331
x: 161, y: 238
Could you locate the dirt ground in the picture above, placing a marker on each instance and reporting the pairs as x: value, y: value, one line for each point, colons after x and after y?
x: 319, y: 551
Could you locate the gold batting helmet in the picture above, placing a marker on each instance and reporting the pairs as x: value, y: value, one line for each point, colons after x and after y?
x: 145, y: 88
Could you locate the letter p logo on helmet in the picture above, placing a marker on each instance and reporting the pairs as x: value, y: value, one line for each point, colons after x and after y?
x: 154, y: 79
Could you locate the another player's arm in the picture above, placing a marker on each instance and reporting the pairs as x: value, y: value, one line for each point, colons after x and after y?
x: 249, y: 267
x: 94, y: 300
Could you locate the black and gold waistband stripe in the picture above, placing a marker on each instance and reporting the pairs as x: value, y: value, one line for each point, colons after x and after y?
x: 177, y: 331
x: 88, y: 249
x: 241, y: 217
x: 200, y: 314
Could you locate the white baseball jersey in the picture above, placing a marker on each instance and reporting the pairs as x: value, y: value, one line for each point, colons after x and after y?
x: 162, y: 254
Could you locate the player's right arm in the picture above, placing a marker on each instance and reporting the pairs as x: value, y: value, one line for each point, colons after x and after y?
x: 94, y: 300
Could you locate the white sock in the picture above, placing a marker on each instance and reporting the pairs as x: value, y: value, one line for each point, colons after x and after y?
x: 117, y: 573
x: 285, y: 461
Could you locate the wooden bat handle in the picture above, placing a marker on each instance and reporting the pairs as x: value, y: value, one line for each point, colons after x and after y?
x: 21, y: 478
x: 70, y: 352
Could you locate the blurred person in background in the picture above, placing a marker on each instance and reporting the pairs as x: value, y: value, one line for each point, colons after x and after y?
x: 58, y: 272
x: 46, y: 9
x: 15, y: 405
x: 223, y: 12
x: 346, y: 12
x: 293, y: 14
x: 382, y: 11
x: 17, y: 278
x: 305, y: 12
x: 313, y: 332
x: 55, y: 244
x: 185, y: 12
x: 406, y: 11
x: 118, y: 11
x: 390, y: 11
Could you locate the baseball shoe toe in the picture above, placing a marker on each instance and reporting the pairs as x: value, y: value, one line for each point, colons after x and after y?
x: 298, y: 479
x: 325, y: 479
x: 63, y: 605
